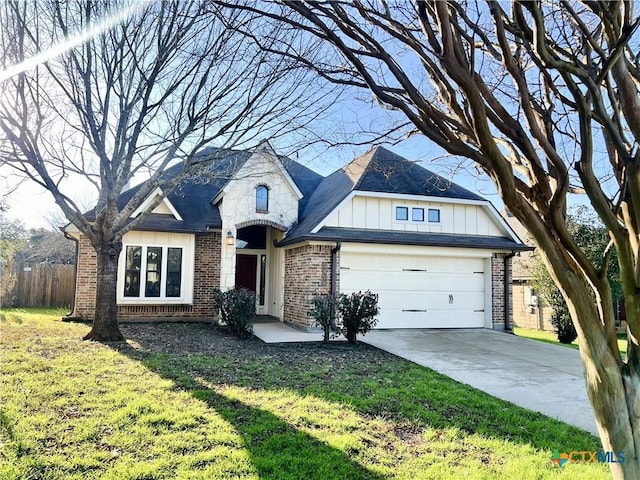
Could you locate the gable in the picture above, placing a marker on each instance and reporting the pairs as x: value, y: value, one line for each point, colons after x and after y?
x: 263, y: 172
x: 365, y: 193
x: 165, y: 207
x: 373, y: 211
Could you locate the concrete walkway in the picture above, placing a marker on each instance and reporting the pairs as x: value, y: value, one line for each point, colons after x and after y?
x: 535, y: 375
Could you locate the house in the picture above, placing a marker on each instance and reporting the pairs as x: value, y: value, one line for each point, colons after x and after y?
x: 437, y: 254
x: 529, y: 309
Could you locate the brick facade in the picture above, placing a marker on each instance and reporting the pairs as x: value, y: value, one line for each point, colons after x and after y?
x: 307, y: 272
x: 206, y: 277
x: 527, y: 315
x: 85, y: 297
x: 497, y: 293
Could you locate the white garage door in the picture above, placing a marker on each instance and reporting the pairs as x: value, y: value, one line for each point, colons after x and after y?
x: 419, y: 291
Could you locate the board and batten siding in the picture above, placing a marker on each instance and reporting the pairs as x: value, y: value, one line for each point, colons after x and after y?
x: 379, y: 214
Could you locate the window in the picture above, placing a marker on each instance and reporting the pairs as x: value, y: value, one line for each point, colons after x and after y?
x: 417, y: 214
x: 174, y: 271
x: 262, y: 199
x: 154, y: 272
x: 434, y: 215
x: 402, y: 213
x: 132, y: 272
x: 159, y: 269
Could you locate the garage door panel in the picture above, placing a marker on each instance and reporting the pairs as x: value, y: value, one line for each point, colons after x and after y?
x: 352, y: 280
x: 419, y: 291
x: 403, y: 300
x: 456, y: 319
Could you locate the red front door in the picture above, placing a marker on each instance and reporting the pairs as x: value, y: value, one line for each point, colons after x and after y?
x: 246, y: 268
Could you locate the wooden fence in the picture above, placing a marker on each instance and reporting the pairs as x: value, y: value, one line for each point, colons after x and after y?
x: 44, y: 285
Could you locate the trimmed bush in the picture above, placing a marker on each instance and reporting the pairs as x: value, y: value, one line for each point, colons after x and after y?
x: 561, y: 320
x: 323, y: 310
x: 358, y: 312
x: 236, y: 309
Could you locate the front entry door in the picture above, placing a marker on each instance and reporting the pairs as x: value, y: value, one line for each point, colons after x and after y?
x: 246, y: 269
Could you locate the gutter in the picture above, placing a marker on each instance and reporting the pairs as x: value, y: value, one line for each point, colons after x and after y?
x: 507, y: 291
x: 334, y: 283
x: 69, y: 315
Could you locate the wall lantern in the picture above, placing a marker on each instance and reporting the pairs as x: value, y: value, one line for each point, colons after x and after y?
x: 230, y: 239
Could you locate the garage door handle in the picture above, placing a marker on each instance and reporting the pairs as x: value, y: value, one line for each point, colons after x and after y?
x: 450, y: 299
x: 413, y: 270
x: 479, y: 310
x: 411, y: 310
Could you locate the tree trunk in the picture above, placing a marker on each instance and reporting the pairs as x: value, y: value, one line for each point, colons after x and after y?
x: 105, y: 320
x: 613, y: 392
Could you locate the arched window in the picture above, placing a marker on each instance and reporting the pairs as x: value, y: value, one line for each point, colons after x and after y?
x: 262, y: 199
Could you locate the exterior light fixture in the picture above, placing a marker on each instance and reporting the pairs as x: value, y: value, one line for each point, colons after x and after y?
x: 230, y: 239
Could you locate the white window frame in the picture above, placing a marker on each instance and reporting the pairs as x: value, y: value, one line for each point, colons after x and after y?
x: 186, y: 271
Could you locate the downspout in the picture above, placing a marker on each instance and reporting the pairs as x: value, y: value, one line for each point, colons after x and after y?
x: 507, y: 291
x: 334, y: 283
x: 69, y: 316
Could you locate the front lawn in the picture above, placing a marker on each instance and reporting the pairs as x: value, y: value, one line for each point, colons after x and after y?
x: 549, y: 337
x: 188, y: 401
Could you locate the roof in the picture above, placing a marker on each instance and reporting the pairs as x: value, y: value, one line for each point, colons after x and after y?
x: 215, y: 167
x: 397, y: 237
x: 378, y: 170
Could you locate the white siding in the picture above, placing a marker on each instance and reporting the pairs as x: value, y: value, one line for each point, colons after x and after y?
x: 379, y: 213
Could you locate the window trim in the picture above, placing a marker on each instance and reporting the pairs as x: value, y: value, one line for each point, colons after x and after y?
x: 267, y: 190
x: 186, y: 270
x: 411, y: 210
x: 398, y: 207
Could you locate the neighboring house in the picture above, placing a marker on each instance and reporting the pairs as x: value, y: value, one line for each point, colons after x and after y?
x: 437, y: 254
x: 529, y: 309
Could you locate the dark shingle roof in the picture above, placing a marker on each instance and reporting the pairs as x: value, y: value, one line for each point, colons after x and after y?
x: 192, y: 198
x: 381, y: 170
x: 408, y: 238
x: 378, y: 170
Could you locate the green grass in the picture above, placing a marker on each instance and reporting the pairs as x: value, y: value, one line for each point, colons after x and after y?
x: 549, y: 337
x: 147, y: 410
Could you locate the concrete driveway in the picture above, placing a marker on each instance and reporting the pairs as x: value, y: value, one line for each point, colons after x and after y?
x: 535, y: 375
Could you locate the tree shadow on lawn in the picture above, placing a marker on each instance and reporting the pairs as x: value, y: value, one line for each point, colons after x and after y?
x: 277, y: 449
x: 371, y: 382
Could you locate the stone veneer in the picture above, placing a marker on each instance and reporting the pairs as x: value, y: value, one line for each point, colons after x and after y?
x: 206, y: 277
x: 307, y: 272
x: 497, y: 292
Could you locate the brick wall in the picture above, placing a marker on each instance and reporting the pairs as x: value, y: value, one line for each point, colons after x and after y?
x: 206, y: 277
x: 85, y: 297
x: 497, y: 292
x: 527, y: 316
x: 307, y: 272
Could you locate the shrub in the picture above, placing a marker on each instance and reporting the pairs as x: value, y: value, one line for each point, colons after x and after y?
x: 323, y: 310
x: 561, y: 320
x: 236, y: 309
x: 358, y: 312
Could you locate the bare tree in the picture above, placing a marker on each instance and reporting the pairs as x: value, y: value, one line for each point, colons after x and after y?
x: 544, y: 97
x: 99, y: 92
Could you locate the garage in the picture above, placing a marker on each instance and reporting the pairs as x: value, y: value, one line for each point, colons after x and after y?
x: 421, y: 287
